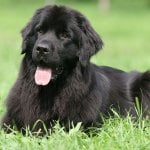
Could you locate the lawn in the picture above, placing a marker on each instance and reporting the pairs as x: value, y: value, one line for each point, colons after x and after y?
x: 126, y: 35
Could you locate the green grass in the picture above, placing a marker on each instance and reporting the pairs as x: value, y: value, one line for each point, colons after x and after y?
x: 126, y: 35
x: 116, y: 133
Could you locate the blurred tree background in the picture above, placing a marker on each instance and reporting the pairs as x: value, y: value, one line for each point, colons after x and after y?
x: 105, y: 3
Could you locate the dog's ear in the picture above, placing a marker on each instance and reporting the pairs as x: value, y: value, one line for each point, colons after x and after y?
x: 90, y: 41
x: 29, y: 34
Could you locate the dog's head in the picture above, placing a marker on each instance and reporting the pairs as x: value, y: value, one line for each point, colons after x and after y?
x: 58, y: 37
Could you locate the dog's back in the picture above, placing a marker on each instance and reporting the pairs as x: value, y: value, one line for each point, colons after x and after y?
x: 140, y: 87
x: 128, y: 89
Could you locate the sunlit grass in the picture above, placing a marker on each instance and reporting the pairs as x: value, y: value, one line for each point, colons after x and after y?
x: 116, y: 133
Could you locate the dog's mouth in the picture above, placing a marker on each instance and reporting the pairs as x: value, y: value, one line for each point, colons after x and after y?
x: 43, y: 76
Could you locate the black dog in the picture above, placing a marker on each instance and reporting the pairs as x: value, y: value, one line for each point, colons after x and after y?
x: 57, y: 80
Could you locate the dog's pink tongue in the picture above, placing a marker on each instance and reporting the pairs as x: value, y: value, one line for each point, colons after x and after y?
x: 43, y: 76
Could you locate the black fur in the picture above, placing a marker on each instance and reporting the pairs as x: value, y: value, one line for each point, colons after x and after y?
x: 79, y: 91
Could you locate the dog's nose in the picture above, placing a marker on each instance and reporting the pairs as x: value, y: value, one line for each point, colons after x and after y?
x: 42, y: 49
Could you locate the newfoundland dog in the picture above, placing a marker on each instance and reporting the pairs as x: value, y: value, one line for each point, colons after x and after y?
x: 57, y: 81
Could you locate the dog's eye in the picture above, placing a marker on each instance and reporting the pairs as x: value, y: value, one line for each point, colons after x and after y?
x: 64, y: 35
x: 39, y: 30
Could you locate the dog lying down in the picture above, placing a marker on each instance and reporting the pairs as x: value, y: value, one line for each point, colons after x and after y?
x: 57, y: 81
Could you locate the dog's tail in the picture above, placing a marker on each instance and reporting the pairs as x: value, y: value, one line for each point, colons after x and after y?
x: 140, y: 87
